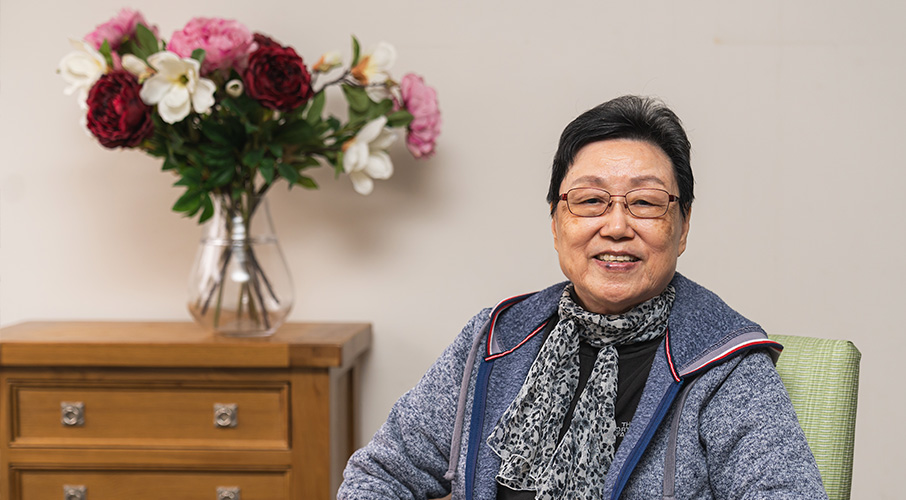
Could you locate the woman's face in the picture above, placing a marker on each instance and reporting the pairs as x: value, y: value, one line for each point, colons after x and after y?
x: 614, y: 260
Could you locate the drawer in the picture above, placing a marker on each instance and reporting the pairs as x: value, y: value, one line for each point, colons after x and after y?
x: 152, y: 485
x: 150, y: 415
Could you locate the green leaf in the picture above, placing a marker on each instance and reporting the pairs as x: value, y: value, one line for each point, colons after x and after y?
x: 334, y: 123
x: 276, y: 150
x: 216, y: 132
x: 236, y: 131
x: 195, y: 157
x: 208, y: 209
x: 307, y: 182
x: 267, y: 169
x: 187, y: 182
x: 313, y: 115
x: 235, y: 105
x: 128, y: 47
x: 322, y: 129
x: 288, y: 173
x: 216, y: 163
x: 305, y: 162
x: 401, y: 118
x: 146, y: 42
x: 155, y: 146
x: 217, y: 157
x: 338, y: 165
x: 105, y: 51
x: 230, y: 105
x: 198, y: 55
x: 253, y: 158
x: 331, y: 156
x: 355, y: 51
x: 357, y: 99
x: 218, y: 151
x: 382, y: 108
x: 298, y: 132
x: 267, y: 130
x: 170, y: 163
x: 223, y: 177
x: 191, y: 172
x: 189, y: 202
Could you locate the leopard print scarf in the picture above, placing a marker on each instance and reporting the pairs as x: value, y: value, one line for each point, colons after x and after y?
x: 525, y: 438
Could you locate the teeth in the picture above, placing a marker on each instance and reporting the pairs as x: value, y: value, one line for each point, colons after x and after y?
x: 616, y: 258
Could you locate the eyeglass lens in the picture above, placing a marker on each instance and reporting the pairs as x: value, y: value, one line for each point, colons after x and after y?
x: 642, y: 203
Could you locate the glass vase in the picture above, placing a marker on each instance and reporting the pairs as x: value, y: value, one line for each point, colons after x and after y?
x: 240, y: 285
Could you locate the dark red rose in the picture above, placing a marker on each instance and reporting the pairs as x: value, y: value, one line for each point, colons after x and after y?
x: 116, y: 114
x: 263, y: 40
x: 277, y: 77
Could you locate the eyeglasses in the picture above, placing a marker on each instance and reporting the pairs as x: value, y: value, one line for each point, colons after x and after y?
x: 645, y: 203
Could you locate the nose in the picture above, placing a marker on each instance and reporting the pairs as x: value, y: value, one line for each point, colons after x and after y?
x: 615, y: 221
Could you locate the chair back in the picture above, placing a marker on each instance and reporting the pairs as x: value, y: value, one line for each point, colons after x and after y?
x: 822, y: 379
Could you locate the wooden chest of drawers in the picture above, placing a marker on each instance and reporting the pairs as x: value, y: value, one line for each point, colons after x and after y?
x: 104, y: 411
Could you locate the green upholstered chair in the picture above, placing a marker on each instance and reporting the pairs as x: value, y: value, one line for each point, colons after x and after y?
x: 822, y: 378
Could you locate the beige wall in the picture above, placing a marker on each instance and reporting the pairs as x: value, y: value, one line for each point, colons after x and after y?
x: 795, y: 110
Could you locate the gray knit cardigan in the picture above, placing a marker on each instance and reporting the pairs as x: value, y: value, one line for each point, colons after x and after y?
x: 714, y: 420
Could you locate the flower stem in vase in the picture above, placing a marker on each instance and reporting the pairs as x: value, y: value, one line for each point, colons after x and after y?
x: 240, y: 262
x: 225, y: 258
x: 264, y: 279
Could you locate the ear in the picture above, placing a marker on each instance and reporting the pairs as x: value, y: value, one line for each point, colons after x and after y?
x: 685, y: 232
x: 554, y: 228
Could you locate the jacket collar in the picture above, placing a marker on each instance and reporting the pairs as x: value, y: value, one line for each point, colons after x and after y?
x: 516, y: 320
x: 702, y: 329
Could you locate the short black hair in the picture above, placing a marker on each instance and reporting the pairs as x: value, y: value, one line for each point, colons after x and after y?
x: 627, y: 117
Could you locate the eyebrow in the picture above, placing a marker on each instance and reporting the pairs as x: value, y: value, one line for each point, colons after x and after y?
x: 634, y: 182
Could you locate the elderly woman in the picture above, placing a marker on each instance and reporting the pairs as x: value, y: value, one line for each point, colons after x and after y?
x: 627, y: 381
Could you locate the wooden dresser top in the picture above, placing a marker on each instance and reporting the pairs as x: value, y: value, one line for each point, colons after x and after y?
x: 179, y: 345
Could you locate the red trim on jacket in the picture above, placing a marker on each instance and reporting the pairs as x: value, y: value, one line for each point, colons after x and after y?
x: 535, y: 331
x: 673, y: 371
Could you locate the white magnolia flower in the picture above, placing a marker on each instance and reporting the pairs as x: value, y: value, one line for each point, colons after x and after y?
x: 378, y: 93
x: 137, y: 67
x: 234, y: 88
x: 81, y: 69
x: 328, y: 61
x: 176, y: 88
x: 373, y: 66
x: 365, y: 156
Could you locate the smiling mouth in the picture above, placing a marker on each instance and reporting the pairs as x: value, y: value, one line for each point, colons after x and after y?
x: 606, y: 257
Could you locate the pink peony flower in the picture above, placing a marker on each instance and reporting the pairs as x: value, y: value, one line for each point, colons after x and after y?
x: 227, y: 43
x: 117, y: 29
x: 420, y: 100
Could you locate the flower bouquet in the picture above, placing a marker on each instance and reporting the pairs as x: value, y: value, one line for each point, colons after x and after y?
x: 230, y: 113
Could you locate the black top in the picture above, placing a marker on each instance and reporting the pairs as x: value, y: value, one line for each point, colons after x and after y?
x: 633, y: 367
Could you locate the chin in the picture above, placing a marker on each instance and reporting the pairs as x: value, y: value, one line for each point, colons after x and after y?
x: 606, y: 301
x: 614, y: 299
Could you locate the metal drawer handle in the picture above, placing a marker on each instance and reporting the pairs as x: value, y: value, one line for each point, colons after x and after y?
x: 225, y: 415
x: 228, y: 493
x: 73, y: 492
x: 72, y: 414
